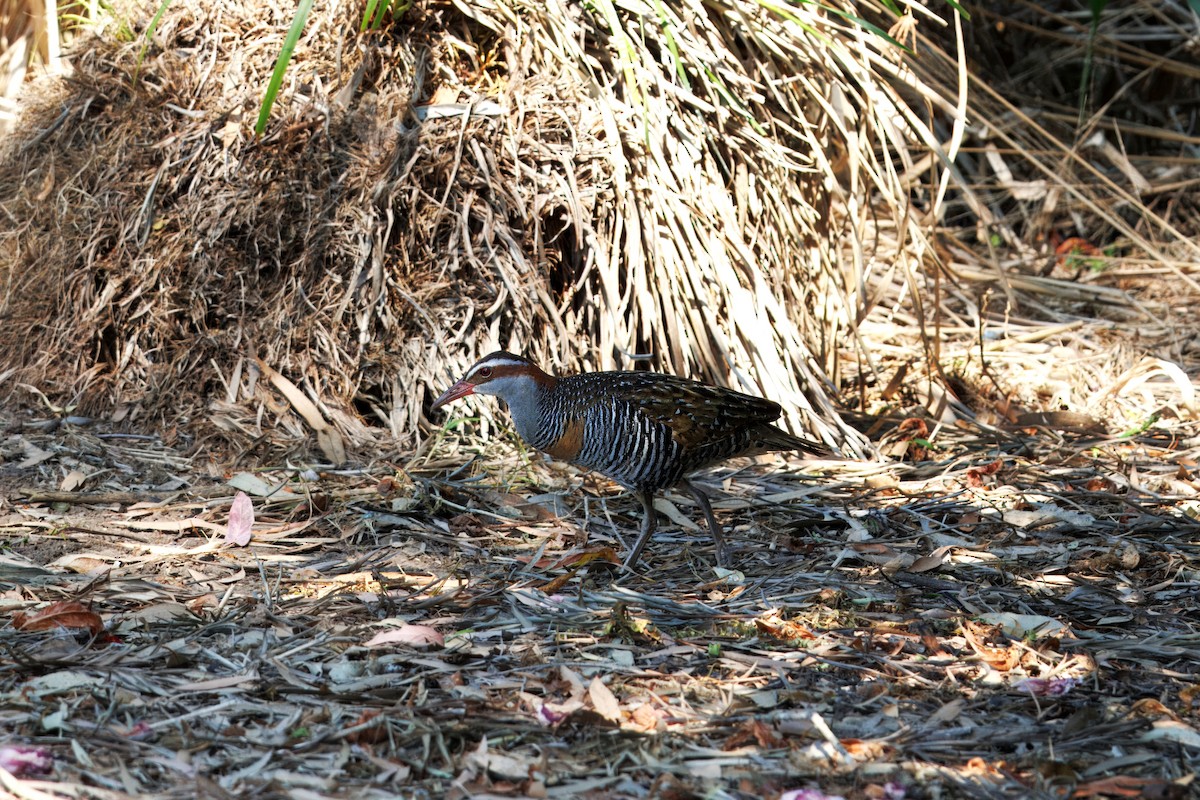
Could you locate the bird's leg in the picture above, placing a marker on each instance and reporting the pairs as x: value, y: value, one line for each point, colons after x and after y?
x: 714, y: 527
x: 648, y: 522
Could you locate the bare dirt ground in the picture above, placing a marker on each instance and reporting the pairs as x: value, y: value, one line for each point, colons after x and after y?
x: 1012, y: 616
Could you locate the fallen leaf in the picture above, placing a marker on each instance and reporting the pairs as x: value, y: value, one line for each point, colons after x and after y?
x: 931, y: 561
x: 372, y: 732
x: 1123, y: 786
x: 575, y: 562
x: 753, y: 731
x: 241, y: 521
x: 1179, y: 732
x: 782, y: 629
x: 978, y: 766
x: 975, y: 475
x: 864, y: 749
x: 1000, y: 658
x: 647, y: 718
x: 1060, y: 420
x: 63, y: 614
x: 1019, y: 626
x: 1149, y: 707
x: 604, y: 701
x: 414, y: 635
x: 387, y: 486
x: 872, y: 548
x: 72, y: 481
x: 949, y: 712
x: 1130, y: 557
x: 1075, y: 246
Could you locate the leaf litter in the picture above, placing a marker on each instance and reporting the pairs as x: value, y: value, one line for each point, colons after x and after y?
x: 1010, y: 621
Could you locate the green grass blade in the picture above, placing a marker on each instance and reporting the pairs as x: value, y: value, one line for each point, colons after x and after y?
x: 1089, y: 60
x: 673, y: 46
x: 368, y: 16
x: 281, y: 64
x: 158, y: 15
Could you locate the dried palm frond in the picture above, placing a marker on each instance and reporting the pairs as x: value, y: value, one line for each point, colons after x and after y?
x: 722, y: 189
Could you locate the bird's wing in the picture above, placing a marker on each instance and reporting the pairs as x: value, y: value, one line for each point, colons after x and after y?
x: 694, y: 412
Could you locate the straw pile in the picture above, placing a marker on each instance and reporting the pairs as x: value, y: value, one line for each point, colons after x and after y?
x: 737, y: 193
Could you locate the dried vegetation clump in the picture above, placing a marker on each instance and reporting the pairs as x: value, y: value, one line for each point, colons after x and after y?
x: 754, y: 198
x: 709, y: 190
x: 347, y: 248
x: 472, y: 177
x: 1070, y: 265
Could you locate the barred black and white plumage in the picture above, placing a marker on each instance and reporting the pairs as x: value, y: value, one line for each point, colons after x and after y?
x: 646, y: 431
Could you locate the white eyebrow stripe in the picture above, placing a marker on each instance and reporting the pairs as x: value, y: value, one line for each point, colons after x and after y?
x: 496, y: 362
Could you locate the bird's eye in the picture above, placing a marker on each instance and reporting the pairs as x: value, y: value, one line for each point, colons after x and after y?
x: 486, y: 372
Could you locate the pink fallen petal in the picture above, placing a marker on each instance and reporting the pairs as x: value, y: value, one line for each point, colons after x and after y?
x: 241, y: 521
x: 139, y: 732
x: 1047, y: 687
x: 809, y: 794
x: 21, y: 760
x: 414, y: 635
x: 548, y: 716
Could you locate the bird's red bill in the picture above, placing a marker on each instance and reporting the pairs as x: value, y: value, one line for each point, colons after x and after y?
x: 460, y: 389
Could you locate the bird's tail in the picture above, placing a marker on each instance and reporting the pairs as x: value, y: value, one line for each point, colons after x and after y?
x: 768, y: 439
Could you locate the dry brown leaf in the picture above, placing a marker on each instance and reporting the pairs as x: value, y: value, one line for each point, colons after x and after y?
x: 604, y: 701
x: 753, y: 731
x: 1130, y: 557
x: 1001, y: 658
x: 872, y: 548
x: 864, y: 749
x: 1149, y: 707
x: 931, y: 561
x: 72, y: 481
x: 976, y: 475
x: 980, y: 766
x: 782, y: 629
x: 1125, y: 786
x: 371, y: 734
x: 575, y: 561
x: 648, y: 718
x: 63, y: 614
x: 328, y: 438
x: 948, y: 712
x: 582, y: 557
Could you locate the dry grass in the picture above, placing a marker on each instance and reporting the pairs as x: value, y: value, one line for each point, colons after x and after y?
x: 731, y: 197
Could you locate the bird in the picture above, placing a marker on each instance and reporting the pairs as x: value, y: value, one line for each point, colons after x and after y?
x: 647, y: 431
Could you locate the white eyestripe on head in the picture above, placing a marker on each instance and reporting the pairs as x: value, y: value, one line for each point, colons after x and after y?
x: 497, y: 360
